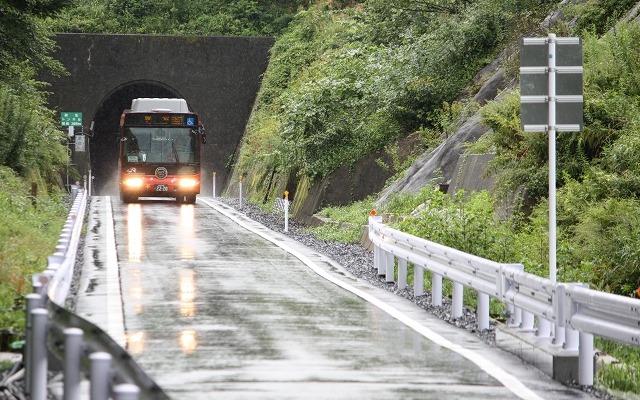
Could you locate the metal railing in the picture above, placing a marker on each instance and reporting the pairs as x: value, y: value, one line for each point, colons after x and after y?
x: 57, y: 336
x: 532, y: 302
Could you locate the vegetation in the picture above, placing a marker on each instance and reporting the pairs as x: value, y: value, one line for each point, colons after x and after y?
x: 29, y: 230
x: 195, y: 17
x: 350, y: 77
x: 344, y: 82
x: 32, y: 155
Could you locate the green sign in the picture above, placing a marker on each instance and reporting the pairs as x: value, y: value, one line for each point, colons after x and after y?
x: 70, y: 119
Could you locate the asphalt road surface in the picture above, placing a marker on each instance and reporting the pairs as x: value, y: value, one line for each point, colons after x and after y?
x: 214, y: 305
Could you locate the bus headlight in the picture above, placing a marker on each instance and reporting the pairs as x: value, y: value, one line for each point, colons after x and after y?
x: 187, y: 183
x: 133, y: 182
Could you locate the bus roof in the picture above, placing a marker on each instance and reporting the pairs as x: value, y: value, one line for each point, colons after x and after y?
x: 159, y: 105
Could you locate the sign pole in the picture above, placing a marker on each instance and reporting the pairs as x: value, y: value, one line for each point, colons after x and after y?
x: 552, y: 158
x: 551, y: 101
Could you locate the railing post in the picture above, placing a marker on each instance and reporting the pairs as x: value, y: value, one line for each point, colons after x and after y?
x: 390, y: 270
x: 376, y: 258
x: 515, y: 313
x: 544, y: 328
x: 382, y: 262
x: 39, y: 321
x: 402, y: 273
x: 527, y: 320
x: 436, y: 290
x: 457, y: 300
x: 126, y: 391
x: 483, y: 311
x: 418, y: 280
x: 571, y: 339
x: 100, y: 373
x: 72, y: 358
x: 33, y: 302
x: 585, y: 359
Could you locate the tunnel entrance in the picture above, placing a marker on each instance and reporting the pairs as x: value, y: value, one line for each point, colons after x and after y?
x: 103, y: 147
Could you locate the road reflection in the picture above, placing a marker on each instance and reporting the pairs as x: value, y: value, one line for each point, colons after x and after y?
x: 134, y: 232
x: 187, y: 293
x: 135, y: 342
x: 186, y: 232
x: 188, y: 340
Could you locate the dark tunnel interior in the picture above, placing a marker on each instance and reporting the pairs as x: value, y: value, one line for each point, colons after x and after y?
x: 104, y: 143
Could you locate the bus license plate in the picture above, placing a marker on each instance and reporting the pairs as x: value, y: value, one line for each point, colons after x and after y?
x: 162, y: 188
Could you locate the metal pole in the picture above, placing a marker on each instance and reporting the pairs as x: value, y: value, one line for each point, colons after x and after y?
x: 544, y: 326
x: 585, y: 359
x: 390, y: 270
x: 33, y: 302
x: 552, y: 157
x: 100, y: 375
x: 418, y: 280
x: 402, y: 273
x: 436, y: 289
x: 457, y: 300
x: 214, y: 184
x: 483, y: 311
x: 39, y: 319
x: 240, y: 197
x: 286, y: 211
x: 72, y: 359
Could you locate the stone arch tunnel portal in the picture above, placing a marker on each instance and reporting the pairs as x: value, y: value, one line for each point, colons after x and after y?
x: 219, y: 78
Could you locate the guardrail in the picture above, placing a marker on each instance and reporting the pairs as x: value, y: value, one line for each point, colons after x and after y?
x: 55, y: 334
x: 532, y: 302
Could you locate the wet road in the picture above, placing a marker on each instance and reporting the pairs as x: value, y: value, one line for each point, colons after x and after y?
x: 213, y: 310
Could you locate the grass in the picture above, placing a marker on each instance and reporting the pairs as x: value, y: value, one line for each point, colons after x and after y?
x: 29, y: 230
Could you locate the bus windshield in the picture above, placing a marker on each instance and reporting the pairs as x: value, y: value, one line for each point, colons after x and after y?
x: 161, y: 144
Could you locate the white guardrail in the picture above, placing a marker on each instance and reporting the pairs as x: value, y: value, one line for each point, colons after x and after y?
x: 56, y: 335
x: 577, y: 312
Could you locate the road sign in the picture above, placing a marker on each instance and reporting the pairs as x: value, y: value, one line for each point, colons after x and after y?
x: 80, y: 143
x: 70, y: 118
x: 551, y: 100
x: 551, y: 79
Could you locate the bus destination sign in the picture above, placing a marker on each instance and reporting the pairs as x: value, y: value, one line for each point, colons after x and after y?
x: 142, y: 119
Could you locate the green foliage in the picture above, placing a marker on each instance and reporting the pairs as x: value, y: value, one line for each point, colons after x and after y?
x: 345, y: 222
x: 29, y: 230
x: 464, y: 223
x: 196, y: 17
x: 344, y: 83
x: 24, y: 43
x: 30, y: 143
x: 598, y: 15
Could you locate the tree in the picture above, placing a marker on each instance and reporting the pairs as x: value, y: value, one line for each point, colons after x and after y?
x: 24, y: 44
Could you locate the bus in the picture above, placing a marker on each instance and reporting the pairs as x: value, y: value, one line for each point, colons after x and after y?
x: 161, y: 143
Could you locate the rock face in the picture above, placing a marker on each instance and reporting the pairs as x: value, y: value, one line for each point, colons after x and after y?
x: 439, y: 165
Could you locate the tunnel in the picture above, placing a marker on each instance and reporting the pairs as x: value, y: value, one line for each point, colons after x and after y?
x: 103, y: 145
x: 218, y: 76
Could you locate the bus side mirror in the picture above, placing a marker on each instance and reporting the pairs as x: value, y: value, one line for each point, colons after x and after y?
x: 204, y: 138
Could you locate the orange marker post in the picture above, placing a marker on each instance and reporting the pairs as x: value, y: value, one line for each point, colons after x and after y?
x: 286, y: 211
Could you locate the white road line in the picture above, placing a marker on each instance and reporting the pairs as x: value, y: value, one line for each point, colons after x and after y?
x: 115, y: 309
x: 509, y: 381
